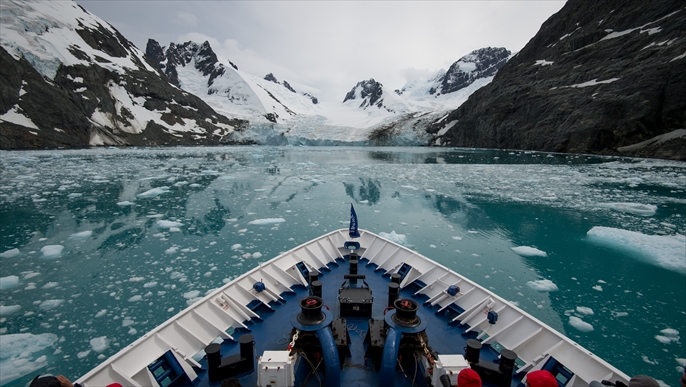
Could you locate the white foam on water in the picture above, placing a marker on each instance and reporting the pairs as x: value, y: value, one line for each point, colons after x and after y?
x: 527, y: 251
x: 6, y: 310
x: 585, y: 310
x: 16, y: 357
x: 52, y: 251
x: 11, y: 253
x: 8, y: 282
x: 153, y: 192
x: 81, y: 235
x: 260, y: 222
x: 400, y: 239
x: 168, y: 224
x: 50, y: 304
x: 666, y: 251
x: 632, y: 208
x: 580, y: 324
x: 543, y: 285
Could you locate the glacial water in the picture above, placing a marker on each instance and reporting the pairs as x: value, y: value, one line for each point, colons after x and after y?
x: 99, y: 246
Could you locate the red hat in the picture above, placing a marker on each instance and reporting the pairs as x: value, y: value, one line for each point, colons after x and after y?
x: 541, y: 378
x: 114, y: 385
x: 468, y: 378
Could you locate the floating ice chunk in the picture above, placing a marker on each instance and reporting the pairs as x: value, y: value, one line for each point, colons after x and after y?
x: 52, y: 251
x: 81, y: 235
x: 236, y: 246
x: 9, y: 282
x: 168, y: 224
x: 632, y: 208
x: 30, y: 275
x: 191, y: 294
x: 83, y: 354
x: 257, y: 254
x: 153, y: 192
x: 23, y: 346
x: 598, y: 288
x: 10, y: 253
x: 409, y: 187
x: 580, y: 324
x: 543, y: 285
x: 267, y: 221
x: 136, y: 279
x: 171, y: 250
x: 50, y: 285
x: 457, y: 238
x: 668, y: 336
x: 50, y: 304
x: 584, y: 310
x: 136, y: 298
x: 226, y: 177
x: 526, y: 251
x: 666, y: 251
x: 125, y: 203
x: 619, y: 314
x: 400, y: 239
x: 9, y: 310
x: 126, y: 322
x: 150, y: 284
x: 101, y: 313
x: 99, y: 344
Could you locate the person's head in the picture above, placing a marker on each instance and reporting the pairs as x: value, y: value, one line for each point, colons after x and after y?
x: 45, y: 381
x: 468, y: 378
x: 540, y: 378
x: 643, y: 381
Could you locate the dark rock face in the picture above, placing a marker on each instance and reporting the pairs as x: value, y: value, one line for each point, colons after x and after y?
x: 182, y: 55
x: 288, y: 86
x: 598, y: 76
x: 271, y: 78
x: 371, y: 93
x: 481, y: 63
x: 312, y: 98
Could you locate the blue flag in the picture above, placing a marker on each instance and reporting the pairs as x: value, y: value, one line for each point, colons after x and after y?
x: 353, y: 223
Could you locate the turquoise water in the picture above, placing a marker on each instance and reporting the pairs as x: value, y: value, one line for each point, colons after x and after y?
x: 99, y: 246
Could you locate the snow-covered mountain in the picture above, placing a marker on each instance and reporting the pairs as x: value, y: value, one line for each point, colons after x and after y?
x: 196, y: 69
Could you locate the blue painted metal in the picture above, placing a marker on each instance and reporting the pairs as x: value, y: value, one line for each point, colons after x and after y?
x: 259, y: 286
x: 492, y: 317
x: 330, y: 354
x: 389, y: 357
x: 453, y: 290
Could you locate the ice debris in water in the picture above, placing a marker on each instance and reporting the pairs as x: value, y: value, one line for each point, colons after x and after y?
x: 168, y: 224
x: 10, y: 253
x: 668, y: 336
x: 81, y: 235
x: 153, y: 192
x: 267, y: 221
x: 584, y: 310
x: 543, y: 285
x: 9, y: 310
x: 125, y: 203
x: 17, y: 354
x: 400, y: 239
x: 664, y: 250
x: 580, y: 324
x: 99, y: 344
x: 50, y: 304
x: 8, y: 282
x: 526, y: 251
x: 632, y: 208
x: 52, y: 251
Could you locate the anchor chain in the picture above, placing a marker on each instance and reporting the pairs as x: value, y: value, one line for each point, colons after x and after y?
x: 295, y: 338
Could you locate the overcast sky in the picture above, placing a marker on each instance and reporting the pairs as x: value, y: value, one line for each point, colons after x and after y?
x: 326, y: 47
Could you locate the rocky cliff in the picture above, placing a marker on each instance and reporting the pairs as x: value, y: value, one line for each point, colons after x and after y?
x: 599, y: 77
x: 69, y: 79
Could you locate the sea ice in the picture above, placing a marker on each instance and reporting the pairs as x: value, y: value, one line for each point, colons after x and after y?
x: 136, y: 298
x: 8, y: 282
x: 99, y: 344
x: 125, y: 203
x: 580, y: 324
x: 191, y: 294
x: 400, y: 239
x: 52, y: 251
x: 9, y: 310
x: 267, y: 221
x: 50, y: 304
x: 22, y: 346
x: 664, y: 250
x: 584, y: 310
x: 101, y: 313
x: 81, y: 235
x: 168, y: 224
x: 236, y: 246
x: 153, y: 192
x: 10, y: 253
x: 632, y: 208
x: 526, y: 251
x: 543, y: 285
x: 668, y: 336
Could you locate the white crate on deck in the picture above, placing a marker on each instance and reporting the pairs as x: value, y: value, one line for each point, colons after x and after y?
x: 448, y: 364
x: 276, y: 369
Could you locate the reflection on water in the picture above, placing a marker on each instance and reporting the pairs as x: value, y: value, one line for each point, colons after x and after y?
x: 145, y: 232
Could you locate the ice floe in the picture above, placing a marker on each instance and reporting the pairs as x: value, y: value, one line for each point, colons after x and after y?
x: 527, y: 251
x: 81, y: 235
x: 668, y: 336
x: 10, y: 253
x: 153, y: 192
x: 580, y: 324
x: 50, y: 304
x: 52, y: 251
x: 100, y: 344
x: 23, y: 354
x: 168, y: 224
x: 543, y: 285
x: 8, y: 282
x: 666, y: 251
x: 400, y: 239
x: 260, y: 222
x: 6, y: 310
x: 632, y: 208
x: 584, y: 310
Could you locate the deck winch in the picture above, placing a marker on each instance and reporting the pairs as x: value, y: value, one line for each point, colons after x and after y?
x: 496, y: 374
x: 219, y: 368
